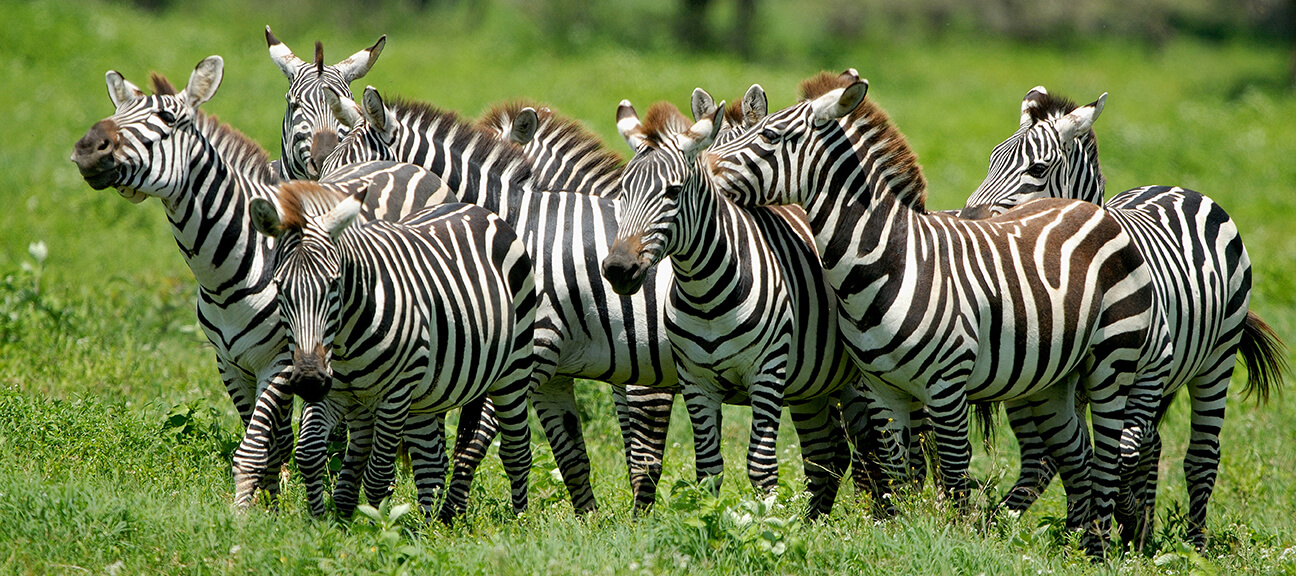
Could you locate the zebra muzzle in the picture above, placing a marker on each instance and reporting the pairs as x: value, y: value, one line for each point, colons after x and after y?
x: 322, y: 144
x: 623, y: 269
x: 93, y: 155
x: 311, y: 377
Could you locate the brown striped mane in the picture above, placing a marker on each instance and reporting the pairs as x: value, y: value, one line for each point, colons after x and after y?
x: 1050, y: 106
x: 887, y: 144
x: 234, y: 146
x: 662, y: 121
x: 303, y: 199
x: 556, y: 127
x: 733, y: 113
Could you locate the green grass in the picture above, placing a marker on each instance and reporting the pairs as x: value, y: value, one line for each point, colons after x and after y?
x: 115, y: 431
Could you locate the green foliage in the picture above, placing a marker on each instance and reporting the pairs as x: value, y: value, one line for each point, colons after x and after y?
x: 709, y: 524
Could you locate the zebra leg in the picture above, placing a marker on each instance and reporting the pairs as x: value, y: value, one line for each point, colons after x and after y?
x: 389, y: 430
x: 555, y: 404
x: 767, y: 389
x: 317, y: 422
x: 1201, y: 463
x: 920, y: 439
x: 1143, y: 407
x: 360, y: 428
x: 477, y: 430
x: 258, y: 456
x: 1109, y: 390
x: 704, y: 414
x: 425, y: 440
x: 877, y: 419
x: 644, y: 413
x: 1059, y: 427
x: 824, y: 450
x: 948, y: 412
x: 510, y: 394
x: 1037, y: 468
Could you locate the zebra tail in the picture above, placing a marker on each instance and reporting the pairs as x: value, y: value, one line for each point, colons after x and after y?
x: 1265, y: 356
x: 987, y: 414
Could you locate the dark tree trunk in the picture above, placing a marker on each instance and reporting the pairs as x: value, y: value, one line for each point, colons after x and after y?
x: 742, y: 41
x: 691, y: 25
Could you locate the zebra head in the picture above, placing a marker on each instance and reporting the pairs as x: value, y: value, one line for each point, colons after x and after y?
x: 661, y: 182
x: 310, y: 131
x: 145, y: 148
x: 1053, y: 154
x: 754, y: 107
x: 757, y: 167
x: 306, y: 222
x: 373, y: 129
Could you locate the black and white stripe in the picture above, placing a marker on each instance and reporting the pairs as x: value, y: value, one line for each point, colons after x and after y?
x: 410, y: 318
x: 1201, y: 276
x: 750, y: 315
x: 1029, y: 308
x: 205, y: 174
x: 583, y: 330
x: 310, y: 130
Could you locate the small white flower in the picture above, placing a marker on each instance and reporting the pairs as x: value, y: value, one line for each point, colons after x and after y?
x: 38, y: 251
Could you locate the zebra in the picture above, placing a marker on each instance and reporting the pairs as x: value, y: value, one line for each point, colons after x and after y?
x: 1200, y: 273
x: 750, y: 315
x: 583, y: 330
x: 205, y: 173
x: 309, y: 129
x: 1030, y: 307
x: 411, y: 317
x: 562, y: 153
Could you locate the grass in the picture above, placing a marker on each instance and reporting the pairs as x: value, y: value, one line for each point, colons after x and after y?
x: 115, y: 431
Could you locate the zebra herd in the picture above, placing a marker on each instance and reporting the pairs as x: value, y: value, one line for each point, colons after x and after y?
x: 399, y: 261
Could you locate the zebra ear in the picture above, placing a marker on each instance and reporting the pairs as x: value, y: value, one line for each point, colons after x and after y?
x: 1080, y: 120
x: 375, y: 112
x: 693, y: 141
x: 754, y: 105
x: 336, y: 221
x: 839, y: 102
x: 850, y: 75
x: 355, y: 67
x: 204, y: 81
x: 120, y: 91
x: 1030, y: 103
x: 282, y: 56
x: 344, y: 109
x: 524, y: 127
x: 628, y: 124
x: 265, y: 217
x: 702, y: 104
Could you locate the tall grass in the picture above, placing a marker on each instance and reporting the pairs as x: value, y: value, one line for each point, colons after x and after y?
x: 115, y: 430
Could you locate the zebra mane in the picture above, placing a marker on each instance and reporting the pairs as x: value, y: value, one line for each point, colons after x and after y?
x: 885, y: 142
x: 236, y: 148
x: 302, y: 199
x: 556, y: 127
x: 733, y: 113
x: 1048, y: 106
x: 425, y: 114
x: 662, y: 121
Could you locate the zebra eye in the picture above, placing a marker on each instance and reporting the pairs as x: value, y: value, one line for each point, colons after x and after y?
x: 770, y: 135
x: 1037, y: 170
x: 673, y: 191
x: 167, y: 116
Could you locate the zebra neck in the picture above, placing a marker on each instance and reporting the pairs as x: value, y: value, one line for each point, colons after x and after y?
x: 213, y: 229
x: 1087, y: 180
x: 707, y: 232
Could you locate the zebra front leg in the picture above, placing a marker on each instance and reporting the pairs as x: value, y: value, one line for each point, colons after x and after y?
x: 317, y: 422
x: 425, y: 440
x: 762, y: 447
x: 261, y: 446
x: 389, y: 429
x: 1037, y: 468
x: 644, y: 413
x: 877, y: 419
x: 1143, y: 408
x: 510, y: 395
x: 346, y: 493
x: 704, y: 413
x: 554, y: 401
x: 824, y: 450
x: 477, y: 430
x: 948, y: 412
x: 1059, y: 427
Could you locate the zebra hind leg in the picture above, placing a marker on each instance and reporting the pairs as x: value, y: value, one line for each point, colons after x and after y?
x: 425, y: 440
x: 555, y: 404
x: 1037, y: 468
x: 824, y: 449
x: 477, y: 429
x: 317, y: 422
x: 644, y: 413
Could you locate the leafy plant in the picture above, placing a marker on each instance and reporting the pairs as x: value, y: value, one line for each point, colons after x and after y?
x: 712, y: 523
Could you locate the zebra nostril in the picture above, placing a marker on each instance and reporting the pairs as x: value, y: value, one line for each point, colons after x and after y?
x: 103, y: 145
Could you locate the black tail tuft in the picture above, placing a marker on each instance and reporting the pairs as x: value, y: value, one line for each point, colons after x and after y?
x: 986, y: 412
x: 1265, y: 357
